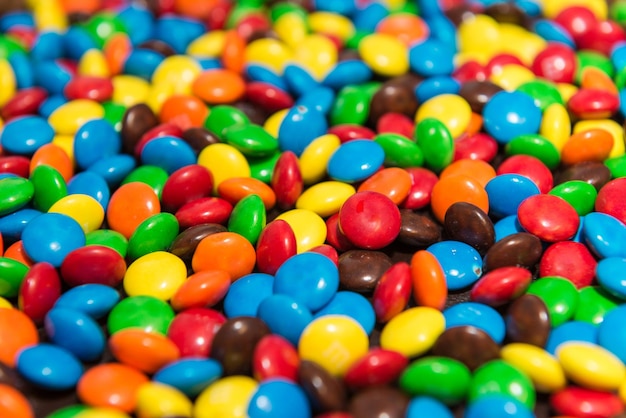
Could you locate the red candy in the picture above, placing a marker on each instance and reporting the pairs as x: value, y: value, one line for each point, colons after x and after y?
x: 478, y: 146
x: 377, y: 367
x: 186, y: 185
x: 39, y: 291
x: 335, y: 237
x: 586, y: 403
x: 276, y: 244
x: 577, y: 20
x: 392, y: 292
x: 348, y: 132
x: 275, y: 357
x: 268, y: 96
x: 397, y: 123
x: 612, y: 199
x: 202, y: 289
x: 193, y: 330
x: 501, y: 285
x: 99, y: 89
x: 531, y: 167
x: 548, y: 217
x: 287, y: 180
x: 593, y: 104
x: 557, y: 62
x: 24, y: 102
x: 205, y: 210
x: 571, y: 260
x: 422, y: 183
x: 15, y: 164
x: 93, y: 264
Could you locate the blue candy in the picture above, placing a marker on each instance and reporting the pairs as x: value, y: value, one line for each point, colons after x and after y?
x: 138, y: 21
x: 47, y: 47
x: 246, y: 294
x: 605, y: 235
x: 142, y: 63
x: 208, y: 63
x: 507, y: 191
x: 26, y: 134
x: 95, y: 140
x: 320, y: 99
x: 351, y: 304
x: 49, y: 366
x: 75, y: 331
x: 495, y: 405
x: 95, y: 300
x: 553, y: 32
x: 347, y: 73
x: 300, y: 127
x: 190, y: 375
x: 510, y: 114
x: 299, y: 80
x: 51, y: 237
x: 285, y: 316
x: 461, y: 263
x: 609, y: 273
x: 23, y: 70
x: 51, y: 76
x: 12, y: 225
x: 425, y: 406
x: 168, y: 152
x: 435, y: 86
x: 77, y: 41
x: 612, y: 334
x: 571, y: 331
x: 355, y: 160
x: 114, y: 169
x: 256, y: 72
x: 343, y: 7
x: 506, y: 226
x: 51, y: 104
x: 178, y: 31
x: 367, y: 18
x: 278, y: 398
x: 481, y: 316
x: 310, y: 278
x: 16, y: 19
x: 431, y: 58
x: 91, y: 184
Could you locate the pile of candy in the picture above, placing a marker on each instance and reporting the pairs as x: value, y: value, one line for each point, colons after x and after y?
x: 329, y: 208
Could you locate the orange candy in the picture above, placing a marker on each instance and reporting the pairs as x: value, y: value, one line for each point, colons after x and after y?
x: 393, y: 182
x: 130, y: 205
x: 429, y: 280
x: 194, y: 8
x: 16, y: 252
x: 219, y: 86
x: 407, y: 28
x: 184, y: 111
x: 236, y: 188
x: 475, y: 124
x: 111, y: 385
x: 591, y: 145
x: 227, y: 251
x: 596, y: 79
x: 54, y: 156
x: 80, y: 6
x: 233, y: 57
x: 116, y: 50
x: 17, y: 331
x: 13, y: 403
x: 457, y: 188
x: 479, y: 170
x: 143, y: 350
x: 201, y: 290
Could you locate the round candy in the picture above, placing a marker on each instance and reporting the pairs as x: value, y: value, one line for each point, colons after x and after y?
x: 50, y: 237
x: 17, y: 332
x: 94, y: 264
x: 507, y: 191
x: 548, y: 217
x: 425, y: 325
x: 279, y: 398
x: 542, y: 368
x: 591, y: 366
x: 156, y: 399
x: 145, y: 312
x: 49, y: 366
x: 285, y: 316
x: 478, y: 315
x: 96, y: 300
x: 355, y: 160
x: 511, y: 114
x: 76, y: 332
x: 461, y: 263
x: 350, y: 304
x: 246, y: 294
x: 143, y: 350
x: 498, y: 405
x: 610, y: 334
x: 228, y: 396
x: 111, y: 385
x: 158, y: 274
x: 502, y: 378
x: 191, y: 376
x: 444, y: 379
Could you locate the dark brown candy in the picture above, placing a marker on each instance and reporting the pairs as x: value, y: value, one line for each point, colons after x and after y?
x: 467, y: 344
x: 360, y: 270
x: 417, y: 229
x: 325, y: 391
x: 157, y: 46
x: 462, y: 12
x: 595, y: 173
x: 199, y: 138
x: 508, y: 12
x: 184, y: 245
x: 254, y: 112
x: 468, y: 223
x: 528, y: 321
x: 521, y: 249
x: 137, y: 120
x: 395, y: 95
x: 379, y: 402
x: 234, y: 343
x: 478, y: 93
x: 348, y: 54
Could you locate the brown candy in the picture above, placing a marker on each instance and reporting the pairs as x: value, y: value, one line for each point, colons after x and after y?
x: 478, y: 93
x: 595, y: 173
x: 137, y: 120
x: 185, y: 243
x: 521, y: 249
x: 462, y: 12
x: 234, y: 343
x: 157, y: 46
x: 254, y: 112
x: 199, y: 138
x: 325, y: 391
x: 467, y: 344
x: 468, y: 223
x: 528, y: 321
x: 418, y: 230
x: 508, y: 12
x: 379, y: 402
x: 395, y: 95
x: 360, y: 270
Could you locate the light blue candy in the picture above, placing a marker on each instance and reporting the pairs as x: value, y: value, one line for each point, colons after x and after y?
x: 609, y: 273
x: 300, y: 127
x: 77, y: 41
x: 256, y: 72
x: 189, y: 375
x: 95, y: 300
x: 510, y: 114
x: 168, y: 152
x: 12, y: 225
x: 612, y: 334
x: 346, y: 73
x: 142, y: 63
x: 23, y: 68
x: 553, y: 32
x: 461, y: 263
x: 51, y: 76
x: 497, y: 406
x: 114, y: 169
x: 51, y: 104
x: 50, y: 237
x: 355, y: 160
x: 506, y: 226
x: 246, y: 294
x: 178, y: 31
x: 298, y: 79
x: 320, y: 99
x: 604, y: 234
x: 75, y: 331
x: 351, y: 304
x: 507, y: 191
x: 91, y: 184
x: 571, y: 331
x: 49, y: 366
x: 431, y: 57
x: 94, y: 140
x: 367, y: 18
x: 481, y: 316
x: 47, y: 47
x: 26, y: 134
x: 435, y: 86
x: 425, y: 406
x: 278, y: 398
x: 138, y: 21
x: 285, y: 316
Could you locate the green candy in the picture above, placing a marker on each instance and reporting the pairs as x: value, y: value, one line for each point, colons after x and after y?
x: 436, y: 143
x: 144, y: 312
x: 9, y: 46
x: 400, y: 151
x: 151, y: 175
x: 618, y: 12
x: 49, y: 187
x: 593, y: 303
x: 222, y: 117
x: 12, y: 274
x: 285, y: 7
x: 108, y: 238
x: 15, y: 193
x: 156, y: 233
x: 355, y: 39
x: 263, y: 168
x: 442, y: 378
x: 248, y: 218
x: 251, y: 139
x: 498, y: 376
x: 114, y: 114
x: 588, y: 58
x: 544, y: 92
x: 68, y: 412
x: 580, y: 194
x: 617, y: 166
x: 102, y: 26
x: 351, y: 106
x: 536, y: 146
x: 560, y: 296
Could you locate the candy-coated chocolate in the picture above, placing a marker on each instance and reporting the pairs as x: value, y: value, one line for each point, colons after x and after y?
x: 15, y: 193
x: 75, y: 331
x: 355, y: 160
x: 324, y: 391
x: 575, y: 400
x: 39, y: 291
x: 543, y: 369
x: 528, y: 321
x: 157, y: 399
x: 285, y: 316
x: 308, y: 227
x: 234, y: 343
x: 49, y: 187
x: 377, y: 401
x: 229, y: 395
x: 275, y: 357
x: 279, y: 398
x: 143, y: 350
x: 49, y: 366
x: 325, y: 198
x: 467, y: 223
x: 93, y: 264
x: 18, y: 331
x: 117, y: 386
x: 145, y: 312
x: 590, y: 366
x: 461, y: 263
x: 237, y: 255
x: 287, y: 179
x: 426, y: 324
x: 95, y: 300
x: 457, y: 188
x: 191, y: 375
x: 392, y: 292
x: 202, y: 289
x: 185, y: 185
x: 559, y: 295
x: 444, y: 379
x: 594, y: 303
x: 500, y: 377
x: 501, y: 285
x: 14, y: 403
x: 193, y: 331
x: 352, y: 305
x: 50, y: 237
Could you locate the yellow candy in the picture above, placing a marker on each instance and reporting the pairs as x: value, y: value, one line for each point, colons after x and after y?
x: 178, y: 70
x: 227, y: 397
x: 480, y: 33
x: 516, y: 40
x: 332, y: 24
x: 566, y: 91
x: 325, y: 198
x: 551, y: 8
x: 272, y: 53
x: 224, y: 161
x: 66, y: 142
x: 102, y: 413
x: 291, y: 29
x: 158, y: 400
x: 308, y: 227
x: 93, y: 64
x: 157, y: 95
x: 413, y: 331
x: 210, y: 44
x: 481, y: 57
x: 316, y: 54
x: 555, y: 125
x: 511, y: 76
x: 385, y: 54
x: 621, y: 391
x: 609, y: 125
x: 452, y: 110
x: 49, y: 16
x: 82, y: 208
x: 67, y: 118
x: 129, y: 90
x: 314, y: 158
x: 158, y: 274
x: 591, y: 366
x: 8, y: 84
x: 540, y: 366
x: 5, y: 303
x: 334, y: 342
x: 272, y: 124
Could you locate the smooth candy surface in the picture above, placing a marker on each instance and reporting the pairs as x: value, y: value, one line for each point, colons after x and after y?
x: 49, y: 366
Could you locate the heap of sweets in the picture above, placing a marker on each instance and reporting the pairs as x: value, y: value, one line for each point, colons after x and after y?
x: 317, y: 208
